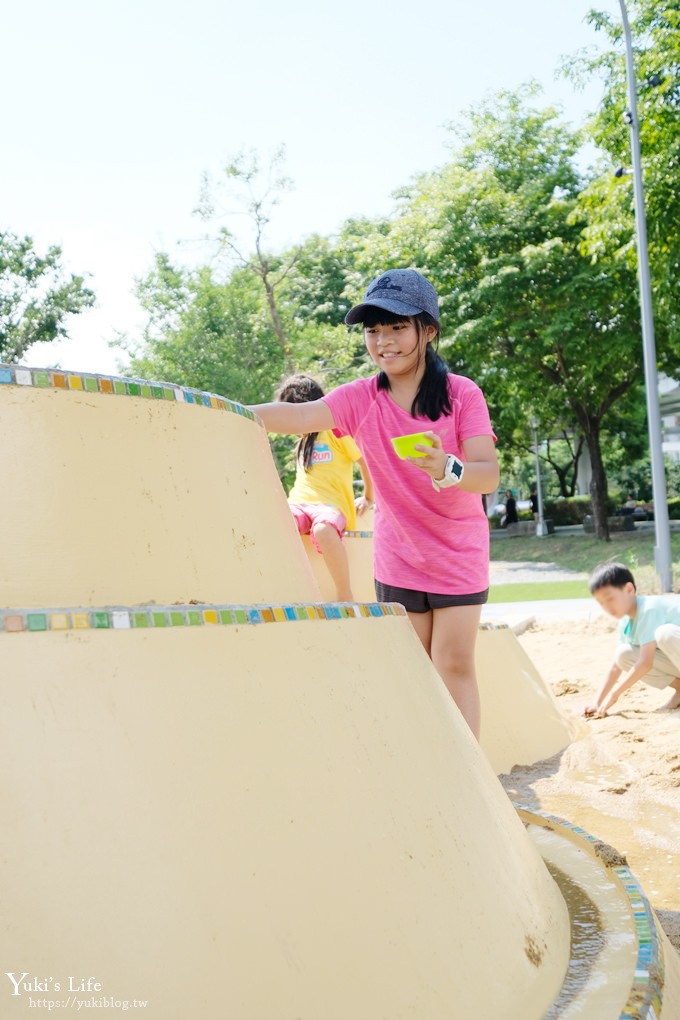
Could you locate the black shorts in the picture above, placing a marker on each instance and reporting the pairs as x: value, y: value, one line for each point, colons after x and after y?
x: 424, y: 601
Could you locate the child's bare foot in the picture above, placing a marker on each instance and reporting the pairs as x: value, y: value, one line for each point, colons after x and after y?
x: 673, y: 702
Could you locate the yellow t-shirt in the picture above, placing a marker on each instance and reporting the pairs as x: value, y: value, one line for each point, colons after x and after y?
x: 329, y: 479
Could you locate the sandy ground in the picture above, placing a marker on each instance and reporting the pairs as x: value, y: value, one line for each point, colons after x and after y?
x: 621, y: 779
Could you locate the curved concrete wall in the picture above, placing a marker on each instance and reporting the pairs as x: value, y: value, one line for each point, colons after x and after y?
x: 670, y: 1008
x: 521, y: 721
x: 360, y: 558
x: 120, y: 499
x: 288, y: 819
x: 359, y: 546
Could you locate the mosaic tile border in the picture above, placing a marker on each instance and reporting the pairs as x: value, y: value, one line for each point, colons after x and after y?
x: 16, y: 621
x: 646, y: 994
x: 86, y: 382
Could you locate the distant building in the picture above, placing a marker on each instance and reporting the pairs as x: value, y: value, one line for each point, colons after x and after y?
x: 669, y: 405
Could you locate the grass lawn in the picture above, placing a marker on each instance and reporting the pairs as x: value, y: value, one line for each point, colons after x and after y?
x: 582, y: 553
x: 538, y: 592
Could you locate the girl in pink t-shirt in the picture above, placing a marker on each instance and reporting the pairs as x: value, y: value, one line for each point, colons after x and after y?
x: 431, y: 535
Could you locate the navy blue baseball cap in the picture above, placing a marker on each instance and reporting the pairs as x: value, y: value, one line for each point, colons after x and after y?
x: 402, y: 291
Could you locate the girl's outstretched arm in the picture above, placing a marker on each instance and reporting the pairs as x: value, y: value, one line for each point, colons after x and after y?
x: 295, y: 419
x: 481, y: 464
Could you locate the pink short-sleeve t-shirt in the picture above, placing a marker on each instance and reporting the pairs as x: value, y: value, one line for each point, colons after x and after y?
x: 423, y: 539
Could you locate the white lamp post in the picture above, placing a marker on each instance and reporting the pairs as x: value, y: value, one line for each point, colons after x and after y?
x: 541, y: 526
x: 662, y: 550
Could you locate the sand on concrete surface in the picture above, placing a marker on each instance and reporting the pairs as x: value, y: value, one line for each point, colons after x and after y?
x: 620, y: 780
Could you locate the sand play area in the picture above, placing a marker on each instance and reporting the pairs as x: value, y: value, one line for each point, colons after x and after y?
x: 621, y: 780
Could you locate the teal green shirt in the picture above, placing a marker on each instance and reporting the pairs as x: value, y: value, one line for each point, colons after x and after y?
x: 651, y: 611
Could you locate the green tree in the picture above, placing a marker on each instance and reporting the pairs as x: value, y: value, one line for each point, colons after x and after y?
x: 206, y: 334
x: 544, y: 329
x: 36, y: 296
x: 608, y: 201
x: 316, y: 297
x: 255, y: 190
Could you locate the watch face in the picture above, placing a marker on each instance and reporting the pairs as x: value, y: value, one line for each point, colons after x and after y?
x: 454, y: 467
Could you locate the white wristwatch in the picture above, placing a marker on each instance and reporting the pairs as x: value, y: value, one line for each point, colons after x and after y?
x: 453, y: 473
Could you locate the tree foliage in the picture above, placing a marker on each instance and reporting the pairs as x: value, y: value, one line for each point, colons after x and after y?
x: 543, y: 328
x: 252, y: 191
x: 206, y: 334
x: 36, y: 296
x: 608, y: 201
x: 539, y: 300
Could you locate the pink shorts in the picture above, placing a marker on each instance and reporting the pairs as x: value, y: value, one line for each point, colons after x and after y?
x: 307, y: 515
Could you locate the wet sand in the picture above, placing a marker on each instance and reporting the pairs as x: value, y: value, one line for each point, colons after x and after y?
x: 621, y: 779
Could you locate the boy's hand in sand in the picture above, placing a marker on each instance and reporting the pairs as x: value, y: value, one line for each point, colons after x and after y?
x: 596, y: 711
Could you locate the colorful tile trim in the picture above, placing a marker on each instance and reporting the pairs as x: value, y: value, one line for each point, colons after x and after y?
x: 84, y: 382
x: 14, y: 621
x: 646, y: 994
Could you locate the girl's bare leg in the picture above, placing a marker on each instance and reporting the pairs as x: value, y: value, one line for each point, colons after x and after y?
x: 448, y: 636
x: 335, y: 558
x: 454, y: 634
x: 422, y: 624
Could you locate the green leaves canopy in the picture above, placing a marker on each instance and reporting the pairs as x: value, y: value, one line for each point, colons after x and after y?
x: 36, y: 297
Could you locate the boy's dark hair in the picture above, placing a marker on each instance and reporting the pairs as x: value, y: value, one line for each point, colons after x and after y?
x: 300, y: 389
x: 432, y: 399
x: 613, y: 575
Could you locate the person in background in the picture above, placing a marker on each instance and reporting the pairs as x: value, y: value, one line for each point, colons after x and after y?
x: 534, y: 502
x: 510, y: 515
x: 322, y: 498
x: 649, y: 636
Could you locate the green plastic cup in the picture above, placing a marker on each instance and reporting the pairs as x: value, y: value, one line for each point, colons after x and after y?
x: 404, y: 446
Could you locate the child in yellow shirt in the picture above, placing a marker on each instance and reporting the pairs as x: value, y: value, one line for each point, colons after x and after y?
x: 322, y: 498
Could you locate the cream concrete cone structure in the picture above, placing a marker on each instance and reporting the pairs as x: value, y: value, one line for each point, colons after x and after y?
x: 284, y: 819
x: 359, y: 548
x: 521, y: 721
x: 124, y: 499
x: 230, y: 810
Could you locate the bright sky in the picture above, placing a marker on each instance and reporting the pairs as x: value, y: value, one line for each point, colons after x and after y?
x: 113, y: 110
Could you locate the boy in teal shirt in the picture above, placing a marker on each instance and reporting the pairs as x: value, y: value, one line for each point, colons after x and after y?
x: 649, y: 636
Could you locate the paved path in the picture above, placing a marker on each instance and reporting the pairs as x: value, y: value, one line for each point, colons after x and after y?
x: 523, y: 571
x: 519, y: 615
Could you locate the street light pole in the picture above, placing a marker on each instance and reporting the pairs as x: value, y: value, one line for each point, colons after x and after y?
x: 541, y: 529
x: 662, y: 551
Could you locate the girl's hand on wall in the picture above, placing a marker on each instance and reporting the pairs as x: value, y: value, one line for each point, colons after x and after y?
x: 362, y: 504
